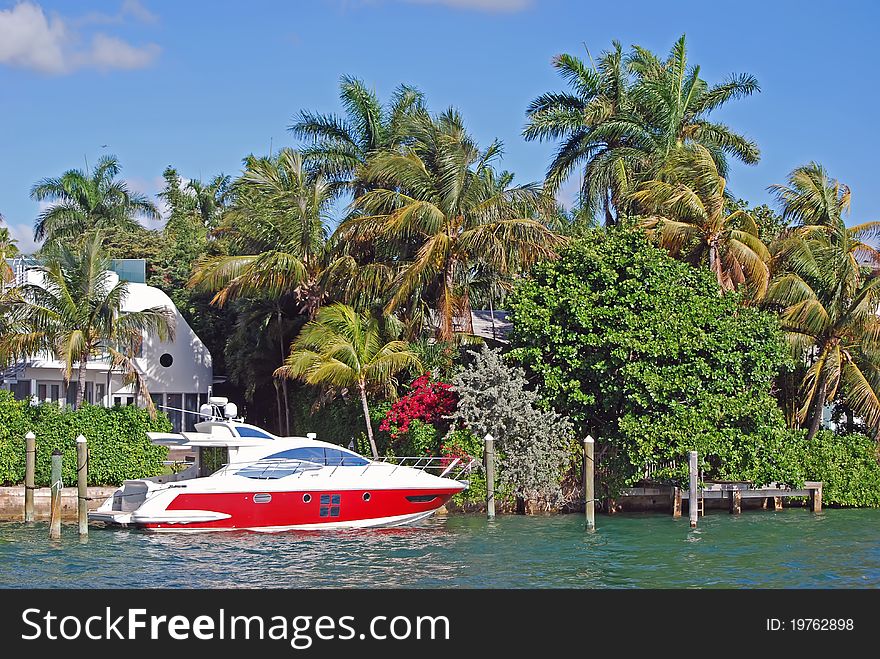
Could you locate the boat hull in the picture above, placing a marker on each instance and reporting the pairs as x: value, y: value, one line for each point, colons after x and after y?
x: 277, y: 511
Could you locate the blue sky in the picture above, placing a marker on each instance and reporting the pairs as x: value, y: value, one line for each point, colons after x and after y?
x: 201, y: 84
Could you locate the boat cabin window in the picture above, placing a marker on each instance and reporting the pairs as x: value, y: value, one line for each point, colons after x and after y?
x: 322, y: 455
x: 244, y: 431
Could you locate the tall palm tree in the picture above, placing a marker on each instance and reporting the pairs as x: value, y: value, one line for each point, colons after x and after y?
x: 445, y: 210
x: 342, y: 348
x: 590, y: 123
x: 84, y: 202
x: 76, y: 314
x: 690, y: 213
x: 626, y: 115
x: 828, y: 290
x: 339, y: 147
x: 277, y: 231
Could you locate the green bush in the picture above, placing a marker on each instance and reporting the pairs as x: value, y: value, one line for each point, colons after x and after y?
x: 643, y: 353
x: 119, y: 448
x: 847, y: 465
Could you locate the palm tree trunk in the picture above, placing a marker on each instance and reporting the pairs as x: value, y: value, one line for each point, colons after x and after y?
x: 81, y: 380
x: 714, y: 265
x: 284, y: 380
x: 278, y: 405
x: 818, y: 406
x: 446, y: 307
x: 367, y: 420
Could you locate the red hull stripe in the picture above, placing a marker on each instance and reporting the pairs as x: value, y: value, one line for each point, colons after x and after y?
x: 304, y: 507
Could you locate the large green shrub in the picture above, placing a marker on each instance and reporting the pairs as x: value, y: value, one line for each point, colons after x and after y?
x: 847, y: 465
x: 645, y: 354
x: 119, y: 448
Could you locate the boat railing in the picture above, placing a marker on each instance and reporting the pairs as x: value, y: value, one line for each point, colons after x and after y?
x: 452, y: 467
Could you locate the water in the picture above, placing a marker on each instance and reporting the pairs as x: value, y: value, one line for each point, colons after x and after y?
x: 788, y: 549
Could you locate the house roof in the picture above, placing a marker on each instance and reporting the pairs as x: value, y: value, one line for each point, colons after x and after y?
x: 492, y: 325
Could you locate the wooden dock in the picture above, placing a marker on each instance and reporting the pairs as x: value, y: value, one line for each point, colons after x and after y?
x: 732, y: 492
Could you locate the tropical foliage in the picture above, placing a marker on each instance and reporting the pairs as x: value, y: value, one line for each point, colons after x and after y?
x: 83, y: 202
x: 689, y: 210
x: 343, y: 349
x: 828, y: 291
x: 626, y: 115
x: 446, y: 212
x: 644, y: 355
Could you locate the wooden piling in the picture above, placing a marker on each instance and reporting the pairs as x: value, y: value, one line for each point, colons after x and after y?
x: 82, y: 473
x: 734, y: 499
x: 676, y: 502
x: 55, y: 510
x: 489, y: 457
x: 777, y: 503
x: 30, y: 466
x: 589, y: 482
x: 816, y: 500
x: 692, y: 488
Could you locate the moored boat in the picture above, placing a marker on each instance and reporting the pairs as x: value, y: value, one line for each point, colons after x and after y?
x: 272, y: 483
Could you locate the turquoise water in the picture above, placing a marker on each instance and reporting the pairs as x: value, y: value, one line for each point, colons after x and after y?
x: 792, y: 548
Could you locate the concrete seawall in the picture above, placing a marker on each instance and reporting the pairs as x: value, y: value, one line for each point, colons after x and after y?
x: 12, y: 502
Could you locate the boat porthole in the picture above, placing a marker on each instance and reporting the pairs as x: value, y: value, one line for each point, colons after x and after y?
x: 366, y: 496
x: 307, y: 498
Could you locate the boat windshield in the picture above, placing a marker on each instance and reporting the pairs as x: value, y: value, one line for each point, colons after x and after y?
x: 322, y: 455
x: 297, y: 460
x: 245, y: 431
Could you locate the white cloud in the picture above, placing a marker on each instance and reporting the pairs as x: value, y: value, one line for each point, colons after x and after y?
x: 497, y: 6
x: 113, y: 53
x: 137, y: 11
x: 31, y: 40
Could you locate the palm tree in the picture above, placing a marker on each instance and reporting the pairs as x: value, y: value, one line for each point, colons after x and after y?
x: 626, y: 115
x: 828, y: 290
x: 342, y: 349
x: 585, y: 122
x: 8, y: 250
x: 276, y: 229
x: 690, y: 213
x: 340, y: 147
x: 445, y: 210
x: 84, y: 202
x: 76, y: 313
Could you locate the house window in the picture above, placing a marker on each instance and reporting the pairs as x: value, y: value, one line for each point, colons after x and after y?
x: 174, y: 415
x: 48, y: 392
x: 192, y: 404
x: 100, y: 393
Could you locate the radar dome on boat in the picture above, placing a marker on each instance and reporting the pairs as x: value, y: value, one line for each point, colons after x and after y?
x: 206, y: 410
x: 230, y: 411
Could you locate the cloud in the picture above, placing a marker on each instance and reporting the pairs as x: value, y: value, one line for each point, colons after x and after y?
x: 112, y: 53
x: 495, y: 6
x: 137, y: 11
x: 31, y: 40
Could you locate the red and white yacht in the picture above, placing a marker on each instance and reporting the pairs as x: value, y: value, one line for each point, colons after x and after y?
x: 275, y: 483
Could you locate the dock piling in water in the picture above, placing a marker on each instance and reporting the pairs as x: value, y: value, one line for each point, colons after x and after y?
x: 82, y: 474
x: 489, y: 458
x: 589, y: 482
x: 692, y: 488
x: 30, y: 466
x: 55, y: 510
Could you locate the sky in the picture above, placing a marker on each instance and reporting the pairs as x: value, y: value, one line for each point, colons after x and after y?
x: 199, y: 85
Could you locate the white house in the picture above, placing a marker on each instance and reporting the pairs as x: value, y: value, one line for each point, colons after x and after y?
x: 178, y: 373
